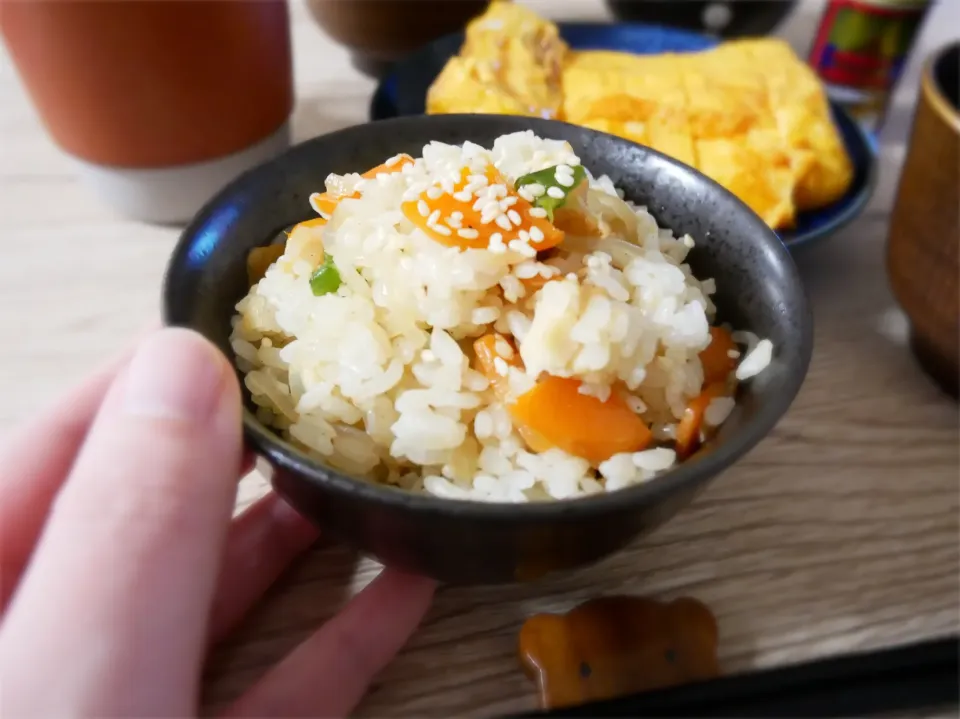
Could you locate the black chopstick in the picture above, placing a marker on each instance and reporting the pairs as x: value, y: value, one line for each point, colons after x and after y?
x: 905, y: 678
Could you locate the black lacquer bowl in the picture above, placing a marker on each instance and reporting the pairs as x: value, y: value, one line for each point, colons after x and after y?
x: 473, y: 542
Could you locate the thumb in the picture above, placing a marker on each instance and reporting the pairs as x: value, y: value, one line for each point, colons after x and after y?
x: 133, y: 543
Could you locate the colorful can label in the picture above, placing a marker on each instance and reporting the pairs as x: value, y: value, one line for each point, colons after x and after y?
x: 864, y: 44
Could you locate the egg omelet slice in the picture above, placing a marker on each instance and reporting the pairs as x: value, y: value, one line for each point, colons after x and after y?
x: 639, y: 97
x: 755, y: 167
x: 511, y: 61
x: 802, y: 115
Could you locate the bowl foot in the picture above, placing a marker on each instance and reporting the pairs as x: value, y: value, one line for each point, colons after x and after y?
x: 370, y: 65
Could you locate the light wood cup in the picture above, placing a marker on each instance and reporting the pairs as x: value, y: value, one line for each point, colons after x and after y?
x: 923, y: 252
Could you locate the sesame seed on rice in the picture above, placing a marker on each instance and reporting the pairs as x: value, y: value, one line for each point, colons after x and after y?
x: 526, y: 270
x: 434, y: 193
x: 547, y: 271
x: 522, y: 248
x: 492, y: 207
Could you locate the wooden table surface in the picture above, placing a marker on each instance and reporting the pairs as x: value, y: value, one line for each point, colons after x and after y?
x: 839, y: 532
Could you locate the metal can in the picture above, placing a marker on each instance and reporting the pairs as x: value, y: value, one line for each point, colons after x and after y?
x: 860, y: 50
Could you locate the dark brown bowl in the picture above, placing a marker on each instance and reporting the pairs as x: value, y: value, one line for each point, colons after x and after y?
x: 380, y: 32
x: 476, y: 542
x: 734, y: 18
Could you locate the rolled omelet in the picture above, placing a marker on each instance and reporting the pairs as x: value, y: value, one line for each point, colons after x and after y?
x: 511, y: 58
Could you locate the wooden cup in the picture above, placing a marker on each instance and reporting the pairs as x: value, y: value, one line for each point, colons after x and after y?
x: 159, y: 102
x: 923, y: 250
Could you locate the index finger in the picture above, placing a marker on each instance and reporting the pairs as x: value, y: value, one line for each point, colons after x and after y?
x: 134, y: 542
x: 34, y: 462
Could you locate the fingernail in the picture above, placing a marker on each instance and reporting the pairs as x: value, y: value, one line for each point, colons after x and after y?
x: 175, y: 374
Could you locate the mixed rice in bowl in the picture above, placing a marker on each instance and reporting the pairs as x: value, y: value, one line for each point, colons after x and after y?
x: 491, y: 324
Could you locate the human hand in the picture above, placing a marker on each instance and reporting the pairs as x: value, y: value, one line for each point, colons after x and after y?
x: 119, y: 563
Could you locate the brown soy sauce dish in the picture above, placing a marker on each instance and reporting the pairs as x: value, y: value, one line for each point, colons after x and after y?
x: 466, y: 542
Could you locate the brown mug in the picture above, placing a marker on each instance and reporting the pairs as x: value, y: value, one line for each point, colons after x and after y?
x: 923, y: 249
x: 159, y: 102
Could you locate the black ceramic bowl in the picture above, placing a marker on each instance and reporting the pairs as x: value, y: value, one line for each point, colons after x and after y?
x: 473, y: 542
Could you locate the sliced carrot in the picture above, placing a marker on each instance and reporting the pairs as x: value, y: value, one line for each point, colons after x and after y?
x: 580, y: 424
x: 259, y: 261
x: 536, y: 283
x: 326, y: 203
x: 555, y: 414
x: 469, y: 232
x: 487, y: 352
x: 715, y: 358
x: 396, y: 165
x: 688, y: 431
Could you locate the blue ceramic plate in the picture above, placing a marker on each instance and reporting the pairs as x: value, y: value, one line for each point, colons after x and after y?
x: 404, y: 90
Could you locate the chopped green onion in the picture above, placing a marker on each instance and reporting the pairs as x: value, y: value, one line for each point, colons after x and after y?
x: 547, y: 179
x: 326, y: 278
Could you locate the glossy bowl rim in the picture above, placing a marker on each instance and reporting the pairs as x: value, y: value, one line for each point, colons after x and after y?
x: 697, y: 470
x: 933, y: 92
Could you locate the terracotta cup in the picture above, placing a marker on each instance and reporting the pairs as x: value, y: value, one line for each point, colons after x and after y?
x: 160, y: 102
x: 923, y: 251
